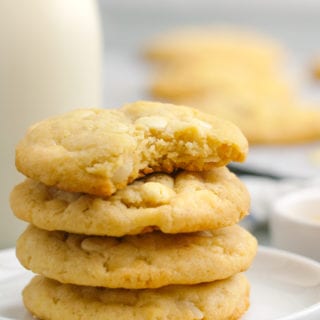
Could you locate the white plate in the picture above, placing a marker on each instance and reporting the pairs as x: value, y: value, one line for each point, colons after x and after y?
x: 284, y: 287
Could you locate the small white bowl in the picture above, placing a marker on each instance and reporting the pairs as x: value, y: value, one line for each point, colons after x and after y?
x: 295, y: 222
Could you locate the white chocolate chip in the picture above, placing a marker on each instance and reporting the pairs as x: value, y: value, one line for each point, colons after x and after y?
x: 156, y: 194
x: 96, y: 245
x: 120, y: 128
x: 205, y: 234
x: 203, y: 124
x: 123, y: 172
x: 197, y: 313
x: 83, y: 114
x: 152, y: 122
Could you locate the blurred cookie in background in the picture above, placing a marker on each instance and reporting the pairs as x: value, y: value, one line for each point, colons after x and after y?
x: 212, y: 77
x: 265, y: 121
x: 217, y: 43
x: 237, y: 75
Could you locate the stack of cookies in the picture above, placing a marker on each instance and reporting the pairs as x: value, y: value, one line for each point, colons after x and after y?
x: 133, y: 215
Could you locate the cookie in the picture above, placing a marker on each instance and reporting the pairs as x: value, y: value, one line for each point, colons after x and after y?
x: 217, y: 43
x: 99, y: 151
x: 150, y: 260
x: 221, y: 300
x: 264, y: 120
x: 185, y: 202
x: 198, y: 79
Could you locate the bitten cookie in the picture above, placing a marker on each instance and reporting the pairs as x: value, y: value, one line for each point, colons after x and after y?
x: 150, y: 260
x: 98, y: 151
x: 220, y: 300
x: 184, y: 202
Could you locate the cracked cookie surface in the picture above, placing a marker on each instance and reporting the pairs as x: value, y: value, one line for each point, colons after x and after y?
x: 184, y: 202
x: 150, y: 260
x: 99, y: 151
x: 220, y: 300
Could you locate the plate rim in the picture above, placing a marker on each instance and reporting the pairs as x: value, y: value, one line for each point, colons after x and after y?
x: 280, y: 253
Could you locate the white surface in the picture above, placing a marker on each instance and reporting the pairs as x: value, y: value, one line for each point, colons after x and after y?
x: 295, y: 222
x: 265, y: 192
x: 288, y: 161
x: 284, y: 287
x: 129, y: 24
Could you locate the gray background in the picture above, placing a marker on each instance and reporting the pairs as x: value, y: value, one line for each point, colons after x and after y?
x: 128, y: 25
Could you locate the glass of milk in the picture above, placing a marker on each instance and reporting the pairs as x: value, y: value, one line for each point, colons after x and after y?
x: 50, y: 62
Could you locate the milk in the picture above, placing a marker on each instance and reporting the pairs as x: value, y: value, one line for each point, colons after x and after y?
x: 50, y: 62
